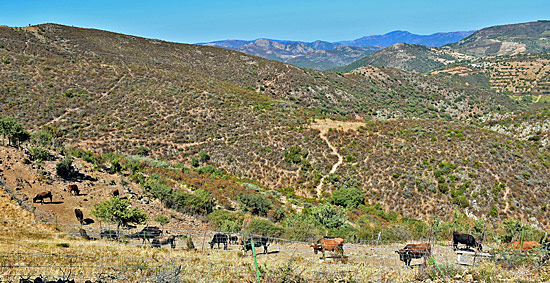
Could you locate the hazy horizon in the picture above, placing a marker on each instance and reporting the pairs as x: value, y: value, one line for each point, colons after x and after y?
x: 193, y: 22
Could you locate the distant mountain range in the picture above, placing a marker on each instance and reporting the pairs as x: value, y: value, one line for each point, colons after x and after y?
x: 433, y: 40
x: 513, y: 39
x: 323, y: 55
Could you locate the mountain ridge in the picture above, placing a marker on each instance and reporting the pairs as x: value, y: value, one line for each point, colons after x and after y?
x: 324, y: 55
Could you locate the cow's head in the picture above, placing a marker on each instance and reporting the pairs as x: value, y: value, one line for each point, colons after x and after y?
x: 402, y: 254
x: 316, y: 248
x: 479, y: 247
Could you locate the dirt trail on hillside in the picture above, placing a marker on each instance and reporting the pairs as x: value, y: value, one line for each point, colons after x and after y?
x: 323, y: 126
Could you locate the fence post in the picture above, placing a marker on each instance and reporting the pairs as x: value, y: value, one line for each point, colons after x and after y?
x: 255, y: 260
x: 203, y: 239
x: 324, y: 250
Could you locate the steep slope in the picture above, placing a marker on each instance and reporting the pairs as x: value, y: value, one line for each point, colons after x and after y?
x: 532, y: 37
x: 110, y: 93
x: 399, y: 36
x: 416, y: 58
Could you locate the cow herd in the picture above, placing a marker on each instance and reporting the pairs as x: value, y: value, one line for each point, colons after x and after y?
x: 156, y: 238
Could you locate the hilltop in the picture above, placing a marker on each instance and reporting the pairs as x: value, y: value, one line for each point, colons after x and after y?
x: 415, y: 58
x: 505, y: 40
x: 531, y: 37
x: 255, y: 121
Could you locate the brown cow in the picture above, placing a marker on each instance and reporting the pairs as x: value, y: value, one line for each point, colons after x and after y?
x: 164, y: 240
x: 73, y: 189
x: 41, y: 196
x: 525, y: 246
x: 329, y: 244
x: 411, y: 251
x: 115, y: 193
x: 79, y: 215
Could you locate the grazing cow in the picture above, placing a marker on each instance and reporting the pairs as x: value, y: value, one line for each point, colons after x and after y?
x: 465, y: 239
x: 73, y: 189
x: 109, y: 234
x: 41, y: 196
x: 219, y: 239
x: 79, y: 215
x: 258, y: 241
x: 329, y: 244
x: 147, y: 233
x: 164, y: 240
x: 411, y: 251
x: 525, y: 246
x: 115, y: 193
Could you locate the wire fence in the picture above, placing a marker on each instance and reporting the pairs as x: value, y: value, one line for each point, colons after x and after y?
x: 24, y: 252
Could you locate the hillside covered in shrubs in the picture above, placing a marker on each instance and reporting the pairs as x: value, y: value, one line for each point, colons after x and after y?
x: 218, y: 133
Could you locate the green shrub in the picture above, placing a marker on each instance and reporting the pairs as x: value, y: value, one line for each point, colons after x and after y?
x: 39, y: 153
x: 194, y: 162
x: 226, y: 221
x: 329, y: 216
x: 142, y: 151
x: 300, y: 228
x: 64, y: 168
x: 347, y: 197
x: 264, y: 227
x: 255, y: 203
x: 115, y: 166
x: 203, y: 156
x: 294, y: 155
x: 199, y: 202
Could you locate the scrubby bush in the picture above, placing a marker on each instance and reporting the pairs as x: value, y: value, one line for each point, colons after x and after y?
x: 264, y: 227
x: 301, y: 228
x: 255, y: 203
x: 226, y: 221
x: 199, y: 202
x: 347, y: 197
x: 64, y: 168
x: 329, y: 216
x: 39, y: 153
x: 203, y: 156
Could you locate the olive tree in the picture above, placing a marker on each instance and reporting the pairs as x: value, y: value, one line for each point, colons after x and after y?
x: 119, y: 212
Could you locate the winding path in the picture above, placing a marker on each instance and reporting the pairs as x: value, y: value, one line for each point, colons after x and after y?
x: 323, y: 126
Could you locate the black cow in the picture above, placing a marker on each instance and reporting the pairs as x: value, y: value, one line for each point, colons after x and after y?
x: 465, y: 239
x: 219, y: 239
x: 147, y: 233
x: 79, y: 215
x: 164, y: 240
x: 41, y: 196
x: 109, y: 234
x: 412, y: 251
x: 258, y: 241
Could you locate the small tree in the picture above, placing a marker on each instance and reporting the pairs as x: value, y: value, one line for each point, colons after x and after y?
x: 348, y: 197
x: 329, y: 216
x: 13, y: 130
x: 119, y: 212
x: 163, y: 220
x: 64, y: 168
x: 203, y: 156
x: 255, y: 203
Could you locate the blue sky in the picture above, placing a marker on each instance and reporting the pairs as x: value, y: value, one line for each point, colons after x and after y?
x: 331, y: 20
